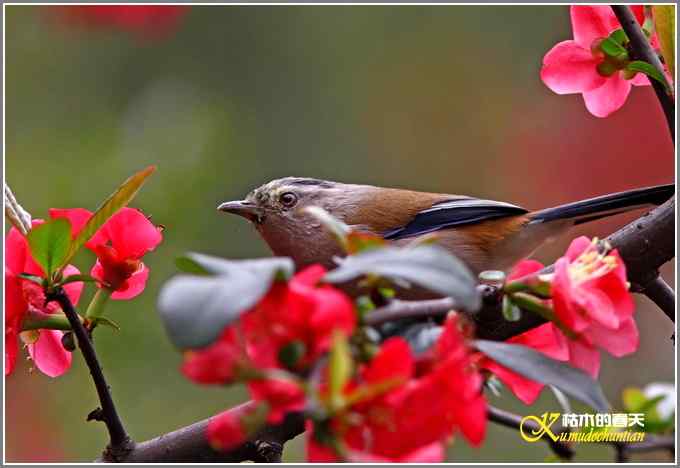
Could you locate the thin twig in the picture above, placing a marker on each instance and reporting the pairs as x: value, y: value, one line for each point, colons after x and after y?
x: 120, y: 443
x: 398, y: 309
x: 662, y: 295
x: 642, y: 50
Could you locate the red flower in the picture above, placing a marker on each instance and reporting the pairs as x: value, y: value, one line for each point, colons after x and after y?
x: 143, y: 20
x: 577, y: 67
x: 228, y: 429
x: 421, y: 404
x: 23, y: 297
x: 218, y: 363
x: 119, y: 245
x: 546, y: 339
x: 282, y: 396
x: 590, y: 296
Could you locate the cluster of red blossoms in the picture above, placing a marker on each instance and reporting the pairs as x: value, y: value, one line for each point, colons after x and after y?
x: 119, y: 245
x: 423, y: 399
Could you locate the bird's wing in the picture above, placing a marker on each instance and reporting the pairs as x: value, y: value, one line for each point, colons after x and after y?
x: 455, y: 212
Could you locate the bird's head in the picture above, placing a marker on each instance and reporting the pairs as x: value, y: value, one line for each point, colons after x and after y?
x: 277, y: 210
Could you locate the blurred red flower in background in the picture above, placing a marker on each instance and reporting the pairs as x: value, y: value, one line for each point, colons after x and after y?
x: 576, y: 66
x: 149, y: 21
x: 419, y: 402
x: 23, y: 297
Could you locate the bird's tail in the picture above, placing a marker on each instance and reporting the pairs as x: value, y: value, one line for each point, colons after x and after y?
x: 606, y: 205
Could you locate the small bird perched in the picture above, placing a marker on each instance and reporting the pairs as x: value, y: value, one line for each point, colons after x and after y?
x: 485, y: 234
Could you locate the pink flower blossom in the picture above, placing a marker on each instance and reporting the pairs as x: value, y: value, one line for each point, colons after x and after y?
x: 119, y: 245
x: 576, y: 66
x: 24, y: 297
x: 591, y: 297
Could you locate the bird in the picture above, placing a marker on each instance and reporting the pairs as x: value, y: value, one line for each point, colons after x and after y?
x: 484, y: 234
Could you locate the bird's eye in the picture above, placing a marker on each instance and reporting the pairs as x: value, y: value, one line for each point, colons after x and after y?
x: 288, y: 199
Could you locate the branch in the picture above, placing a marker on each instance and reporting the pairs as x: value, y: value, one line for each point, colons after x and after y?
x: 190, y: 444
x: 662, y: 295
x: 120, y: 443
x: 513, y: 421
x: 642, y: 50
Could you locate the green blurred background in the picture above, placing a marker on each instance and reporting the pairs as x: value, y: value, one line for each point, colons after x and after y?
x: 437, y: 98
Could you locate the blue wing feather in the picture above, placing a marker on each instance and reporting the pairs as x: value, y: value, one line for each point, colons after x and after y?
x: 452, y: 213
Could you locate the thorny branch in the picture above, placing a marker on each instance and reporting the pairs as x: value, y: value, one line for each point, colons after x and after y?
x: 120, y: 443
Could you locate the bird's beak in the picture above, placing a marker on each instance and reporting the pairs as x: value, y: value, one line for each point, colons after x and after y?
x: 242, y: 208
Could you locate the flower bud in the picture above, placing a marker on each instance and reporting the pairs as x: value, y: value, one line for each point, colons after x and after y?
x: 606, y: 68
x: 68, y: 342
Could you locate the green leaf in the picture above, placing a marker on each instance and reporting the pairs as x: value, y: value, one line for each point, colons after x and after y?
x: 79, y: 278
x: 117, y: 200
x: 196, y: 308
x: 633, y: 399
x: 50, y: 243
x: 612, y: 48
x: 429, y: 266
x: 619, y: 36
x: 540, y: 368
x: 336, y: 227
x: 650, y: 71
x: 39, y: 280
x: 340, y: 368
x: 664, y: 24
x: 108, y: 322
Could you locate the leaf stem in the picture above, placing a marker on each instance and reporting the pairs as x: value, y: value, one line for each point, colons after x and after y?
x: 49, y: 321
x: 98, y: 303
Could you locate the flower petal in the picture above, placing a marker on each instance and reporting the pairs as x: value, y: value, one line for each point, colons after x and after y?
x: 569, y: 68
x: 524, y: 268
x: 16, y: 250
x: 526, y: 390
x: 73, y: 290
x: 621, y: 342
x: 609, y: 97
x: 133, y: 286
x: 393, y: 361
x: 592, y: 22
x: 131, y: 233
x: 584, y: 357
x: 49, y: 355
